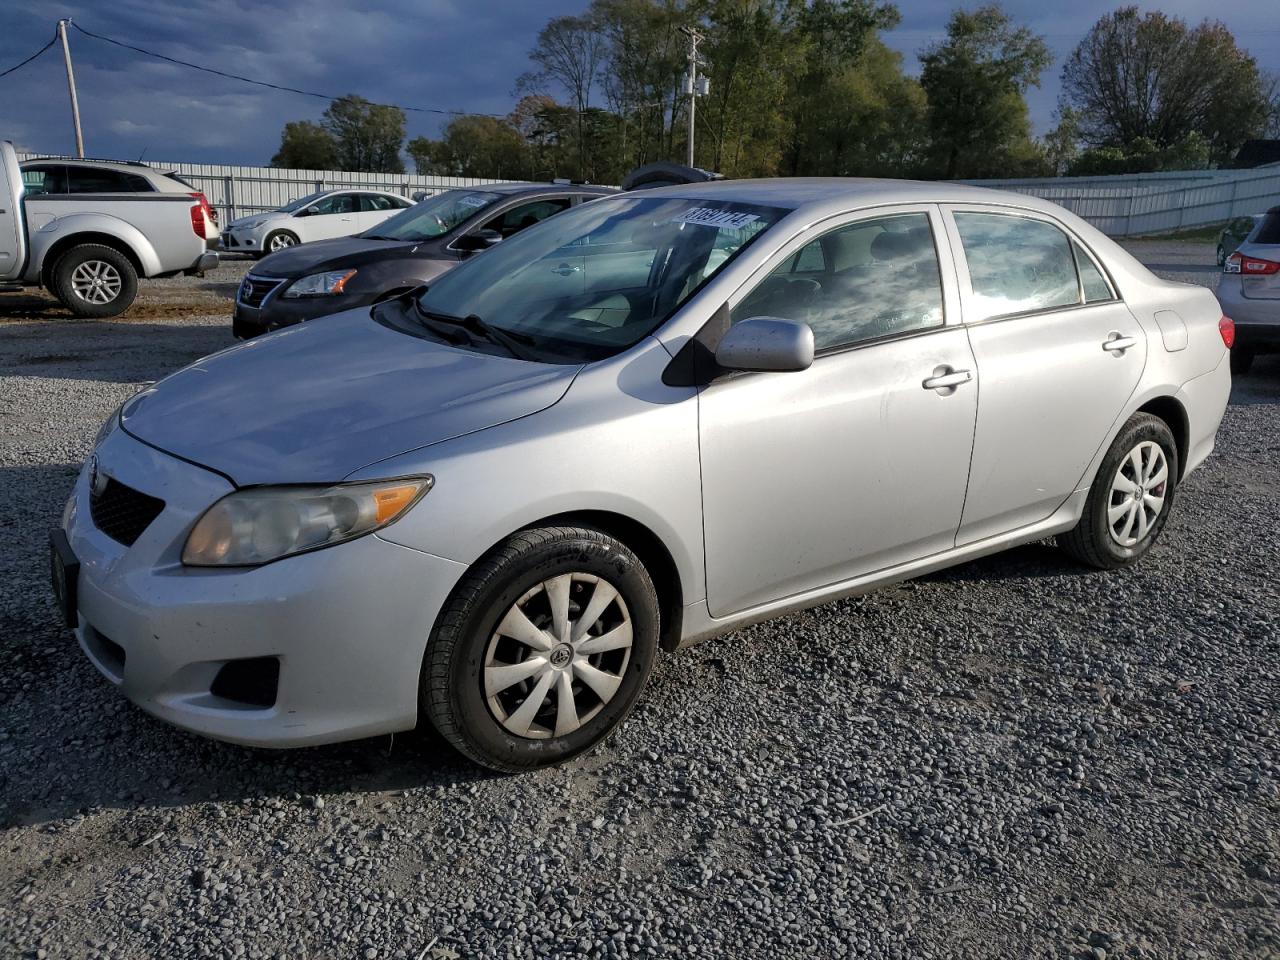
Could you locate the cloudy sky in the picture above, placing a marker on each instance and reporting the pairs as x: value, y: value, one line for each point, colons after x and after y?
x: 454, y: 54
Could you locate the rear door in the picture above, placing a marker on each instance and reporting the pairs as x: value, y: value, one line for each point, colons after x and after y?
x: 1058, y: 354
x: 13, y: 241
x: 374, y: 208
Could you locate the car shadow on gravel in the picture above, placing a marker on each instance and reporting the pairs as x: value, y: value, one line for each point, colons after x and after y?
x: 98, y: 350
x: 1028, y: 562
x: 1261, y: 385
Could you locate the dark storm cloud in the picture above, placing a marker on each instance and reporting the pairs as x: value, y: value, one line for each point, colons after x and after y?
x: 459, y: 54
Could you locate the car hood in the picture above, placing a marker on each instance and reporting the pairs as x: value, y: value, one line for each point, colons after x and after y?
x: 316, y: 402
x: 257, y: 217
x: 339, y: 254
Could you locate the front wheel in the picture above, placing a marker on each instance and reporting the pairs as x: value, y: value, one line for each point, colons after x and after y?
x: 93, y: 280
x: 543, y: 649
x: 1130, y: 499
x: 279, y: 240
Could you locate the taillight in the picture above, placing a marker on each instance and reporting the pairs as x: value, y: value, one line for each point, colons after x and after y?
x: 209, y: 212
x: 197, y: 220
x: 1252, y: 266
x: 1227, y: 329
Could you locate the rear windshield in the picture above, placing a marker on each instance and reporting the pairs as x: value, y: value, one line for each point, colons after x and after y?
x: 1269, y: 229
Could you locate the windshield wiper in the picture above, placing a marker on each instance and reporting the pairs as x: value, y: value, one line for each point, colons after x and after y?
x: 516, y: 344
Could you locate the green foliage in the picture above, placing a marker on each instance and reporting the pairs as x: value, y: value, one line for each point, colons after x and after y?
x: 305, y: 146
x: 367, y: 136
x: 1143, y: 155
x: 1152, y: 78
x: 975, y: 81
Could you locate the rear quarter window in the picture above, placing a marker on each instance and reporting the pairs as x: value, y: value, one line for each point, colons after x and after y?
x: 1269, y: 229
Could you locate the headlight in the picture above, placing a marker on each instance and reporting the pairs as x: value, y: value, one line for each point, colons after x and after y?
x: 108, y: 426
x: 320, y: 284
x: 262, y: 524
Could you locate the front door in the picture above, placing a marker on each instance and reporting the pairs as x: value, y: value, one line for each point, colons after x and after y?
x: 858, y: 463
x: 1059, y: 355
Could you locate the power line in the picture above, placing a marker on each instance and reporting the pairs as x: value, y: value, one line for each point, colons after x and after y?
x: 30, y: 58
x: 258, y: 83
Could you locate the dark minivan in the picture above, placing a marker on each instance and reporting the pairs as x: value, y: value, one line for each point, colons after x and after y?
x: 403, y: 252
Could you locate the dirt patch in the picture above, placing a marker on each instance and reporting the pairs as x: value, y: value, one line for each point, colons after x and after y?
x: 43, y: 307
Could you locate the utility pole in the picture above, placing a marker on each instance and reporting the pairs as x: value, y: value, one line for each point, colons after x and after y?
x: 693, y: 85
x: 71, y: 85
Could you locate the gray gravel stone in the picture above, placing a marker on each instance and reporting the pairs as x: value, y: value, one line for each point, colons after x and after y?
x: 1016, y: 757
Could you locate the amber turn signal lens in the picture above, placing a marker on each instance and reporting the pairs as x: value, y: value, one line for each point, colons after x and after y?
x: 389, y: 502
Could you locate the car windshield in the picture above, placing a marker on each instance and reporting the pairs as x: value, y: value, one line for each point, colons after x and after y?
x: 301, y: 202
x: 585, y: 284
x: 434, y: 216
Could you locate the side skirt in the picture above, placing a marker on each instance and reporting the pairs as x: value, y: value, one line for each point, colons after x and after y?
x: 698, y: 624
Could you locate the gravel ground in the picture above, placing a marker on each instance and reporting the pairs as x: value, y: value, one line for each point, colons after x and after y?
x: 1013, y: 758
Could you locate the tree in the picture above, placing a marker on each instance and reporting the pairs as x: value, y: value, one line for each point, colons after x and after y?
x: 368, y: 136
x: 1062, y: 143
x: 568, y: 52
x: 305, y: 146
x: 1151, y: 76
x: 975, y: 81
x: 473, y: 146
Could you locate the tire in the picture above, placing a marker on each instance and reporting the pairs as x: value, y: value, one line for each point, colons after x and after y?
x: 1241, y: 360
x: 1222, y: 255
x: 474, y: 639
x: 93, y: 280
x: 1093, y: 541
x: 278, y: 240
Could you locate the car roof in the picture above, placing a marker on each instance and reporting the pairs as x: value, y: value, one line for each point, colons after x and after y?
x: 845, y: 193
x: 532, y: 189
x: 126, y: 166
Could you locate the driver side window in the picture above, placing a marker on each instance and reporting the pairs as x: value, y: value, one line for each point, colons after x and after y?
x: 862, y: 281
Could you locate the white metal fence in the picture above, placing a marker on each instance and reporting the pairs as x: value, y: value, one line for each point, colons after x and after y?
x: 1127, y: 206
x: 236, y: 191
x: 1122, y: 206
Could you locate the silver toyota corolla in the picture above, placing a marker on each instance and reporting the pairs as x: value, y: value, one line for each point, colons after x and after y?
x: 647, y: 420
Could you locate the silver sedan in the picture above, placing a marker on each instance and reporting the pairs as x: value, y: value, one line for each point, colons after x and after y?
x: 653, y: 418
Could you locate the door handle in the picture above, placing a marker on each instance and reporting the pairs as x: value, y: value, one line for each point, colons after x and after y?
x: 943, y: 380
x: 566, y: 270
x: 1117, y: 343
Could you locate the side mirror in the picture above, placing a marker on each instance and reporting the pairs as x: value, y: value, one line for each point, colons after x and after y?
x: 766, y: 343
x: 477, y: 240
x: 309, y: 211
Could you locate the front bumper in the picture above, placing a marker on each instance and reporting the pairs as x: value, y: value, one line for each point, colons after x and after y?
x: 242, y: 241
x: 277, y: 311
x: 345, y: 627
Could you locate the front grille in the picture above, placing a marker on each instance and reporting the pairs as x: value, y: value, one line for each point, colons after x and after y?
x: 253, y: 290
x: 228, y: 240
x: 121, y: 512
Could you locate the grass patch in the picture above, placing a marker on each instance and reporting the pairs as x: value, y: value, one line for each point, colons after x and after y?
x: 1205, y: 234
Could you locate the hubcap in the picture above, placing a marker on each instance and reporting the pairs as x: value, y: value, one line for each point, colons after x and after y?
x: 1138, y: 494
x: 280, y: 241
x: 557, y: 656
x: 96, y: 281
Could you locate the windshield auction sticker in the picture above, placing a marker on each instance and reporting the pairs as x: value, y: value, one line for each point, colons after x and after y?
x: 711, y: 217
x: 471, y: 200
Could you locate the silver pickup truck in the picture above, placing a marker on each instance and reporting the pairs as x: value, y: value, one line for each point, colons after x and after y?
x: 89, y: 250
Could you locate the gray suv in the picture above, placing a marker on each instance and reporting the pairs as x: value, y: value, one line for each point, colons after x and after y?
x: 1250, y: 292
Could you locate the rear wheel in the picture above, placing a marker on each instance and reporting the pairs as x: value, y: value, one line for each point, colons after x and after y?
x: 1241, y: 360
x: 95, y: 281
x: 542, y: 651
x: 1130, y: 499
